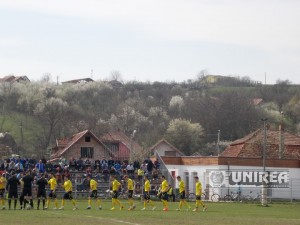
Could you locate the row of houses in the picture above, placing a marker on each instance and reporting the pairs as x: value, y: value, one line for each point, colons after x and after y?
x: 270, y: 157
x: 263, y: 159
x: 115, y: 144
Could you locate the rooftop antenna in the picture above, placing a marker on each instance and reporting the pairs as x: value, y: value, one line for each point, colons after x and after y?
x: 265, y: 78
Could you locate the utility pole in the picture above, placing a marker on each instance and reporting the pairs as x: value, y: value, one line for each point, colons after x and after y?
x: 281, y: 137
x: 21, y: 131
x: 264, y: 144
x: 132, y: 153
x: 264, y: 186
x: 218, y: 142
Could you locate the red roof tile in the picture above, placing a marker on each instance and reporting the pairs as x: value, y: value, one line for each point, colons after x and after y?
x: 252, y: 145
x: 121, y: 137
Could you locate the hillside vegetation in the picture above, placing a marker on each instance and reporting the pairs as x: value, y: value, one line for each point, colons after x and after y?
x: 188, y: 114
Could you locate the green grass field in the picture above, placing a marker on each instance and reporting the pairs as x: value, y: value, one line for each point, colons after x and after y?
x: 217, y: 213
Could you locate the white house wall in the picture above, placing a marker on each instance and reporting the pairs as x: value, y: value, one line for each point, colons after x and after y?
x: 188, y: 173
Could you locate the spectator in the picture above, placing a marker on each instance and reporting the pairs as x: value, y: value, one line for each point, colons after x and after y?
x: 48, y: 167
x: 136, y: 165
x: 112, y: 171
x: 155, y: 174
x: 124, y: 166
x: 103, y: 161
x: 141, y: 173
x: 19, y: 166
x: 72, y: 164
x: 130, y: 170
x: 104, y: 165
x: 79, y: 164
x: 118, y: 167
x: 144, y: 167
x: 89, y: 171
x: 97, y: 165
x: 11, y: 165
x: 150, y: 166
x: 40, y: 167
x: 110, y: 162
x: 105, y: 173
x: 156, y: 164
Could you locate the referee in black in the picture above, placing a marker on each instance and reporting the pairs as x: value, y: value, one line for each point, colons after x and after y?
x: 27, y: 189
x: 41, y: 190
x: 12, y: 187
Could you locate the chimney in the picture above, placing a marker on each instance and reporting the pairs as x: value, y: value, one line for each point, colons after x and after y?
x: 281, y: 138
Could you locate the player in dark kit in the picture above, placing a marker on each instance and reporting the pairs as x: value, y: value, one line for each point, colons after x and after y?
x: 27, y: 189
x: 41, y: 191
x: 12, y: 187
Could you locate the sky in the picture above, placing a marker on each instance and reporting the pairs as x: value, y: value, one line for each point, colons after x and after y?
x: 153, y: 40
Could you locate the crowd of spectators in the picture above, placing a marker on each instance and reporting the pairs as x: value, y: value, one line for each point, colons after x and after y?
x: 99, y: 169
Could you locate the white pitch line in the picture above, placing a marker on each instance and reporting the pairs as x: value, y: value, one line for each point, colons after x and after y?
x: 115, y: 220
x: 101, y: 218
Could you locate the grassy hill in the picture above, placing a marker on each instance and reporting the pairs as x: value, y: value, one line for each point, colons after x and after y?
x: 24, y: 130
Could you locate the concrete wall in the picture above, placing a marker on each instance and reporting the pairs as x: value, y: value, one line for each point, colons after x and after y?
x: 188, y: 172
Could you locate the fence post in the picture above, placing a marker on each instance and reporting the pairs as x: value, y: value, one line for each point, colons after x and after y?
x: 291, y: 183
x: 75, y: 185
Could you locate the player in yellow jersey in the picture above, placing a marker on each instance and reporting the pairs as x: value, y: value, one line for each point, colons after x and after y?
x: 115, y: 193
x: 93, y: 192
x: 130, y: 188
x: 164, y: 193
x: 68, y: 193
x: 147, y: 187
x: 198, y: 195
x: 2, y: 190
x: 182, y: 194
x: 52, y: 195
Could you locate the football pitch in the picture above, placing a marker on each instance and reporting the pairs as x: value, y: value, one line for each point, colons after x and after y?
x: 217, y: 213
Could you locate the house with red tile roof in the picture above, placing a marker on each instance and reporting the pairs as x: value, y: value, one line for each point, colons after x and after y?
x: 279, y: 145
x: 122, y: 146
x: 84, y: 144
x: 243, y: 162
x: 12, y: 79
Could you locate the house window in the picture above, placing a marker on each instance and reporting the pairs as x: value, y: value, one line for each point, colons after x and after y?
x: 87, y: 139
x: 87, y: 152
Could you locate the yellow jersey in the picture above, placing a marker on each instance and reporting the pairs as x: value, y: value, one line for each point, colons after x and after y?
x: 198, y: 188
x: 170, y: 191
x: 68, y: 186
x: 181, y: 186
x: 140, y: 172
x: 130, y: 184
x: 93, y: 185
x: 2, y: 182
x: 164, y: 186
x: 52, y: 182
x: 115, y: 185
x: 147, y: 186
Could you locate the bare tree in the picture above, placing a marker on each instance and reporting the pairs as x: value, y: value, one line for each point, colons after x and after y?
x: 116, y: 75
x: 51, y: 112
